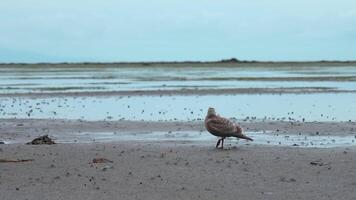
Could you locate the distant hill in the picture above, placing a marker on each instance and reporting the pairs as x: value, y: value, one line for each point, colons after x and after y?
x: 14, y: 57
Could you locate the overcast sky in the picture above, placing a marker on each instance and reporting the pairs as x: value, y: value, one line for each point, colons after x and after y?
x: 176, y: 30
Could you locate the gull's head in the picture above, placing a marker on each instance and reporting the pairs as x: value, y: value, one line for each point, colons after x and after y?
x: 211, y: 111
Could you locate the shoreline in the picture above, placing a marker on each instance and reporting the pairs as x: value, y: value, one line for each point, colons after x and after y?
x: 272, y: 133
x: 183, y: 92
x: 325, y: 128
x: 21, y: 125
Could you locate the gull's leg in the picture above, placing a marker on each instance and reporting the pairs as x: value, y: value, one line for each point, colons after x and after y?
x: 218, y: 143
x: 222, y: 142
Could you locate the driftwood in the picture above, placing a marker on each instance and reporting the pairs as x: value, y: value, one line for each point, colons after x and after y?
x: 15, y: 161
x: 102, y: 160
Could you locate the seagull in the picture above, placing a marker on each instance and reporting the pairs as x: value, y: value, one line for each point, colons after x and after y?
x: 222, y: 127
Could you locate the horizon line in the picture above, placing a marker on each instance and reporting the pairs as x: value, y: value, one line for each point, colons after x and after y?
x: 230, y: 60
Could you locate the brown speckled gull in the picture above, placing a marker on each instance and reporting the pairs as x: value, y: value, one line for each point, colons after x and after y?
x: 222, y: 127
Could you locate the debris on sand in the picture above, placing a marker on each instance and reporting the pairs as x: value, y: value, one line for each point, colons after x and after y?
x: 102, y: 160
x: 106, y: 167
x: 318, y: 163
x: 15, y: 161
x: 42, y: 140
x: 284, y: 179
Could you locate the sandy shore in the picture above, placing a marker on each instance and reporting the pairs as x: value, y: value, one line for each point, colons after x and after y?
x: 172, y: 169
x: 24, y: 130
x: 154, y: 170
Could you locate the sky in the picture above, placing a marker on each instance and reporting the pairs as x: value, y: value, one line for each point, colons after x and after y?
x: 176, y: 30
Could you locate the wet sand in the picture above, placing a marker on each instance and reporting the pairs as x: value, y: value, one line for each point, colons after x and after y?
x: 176, y: 170
x: 25, y: 129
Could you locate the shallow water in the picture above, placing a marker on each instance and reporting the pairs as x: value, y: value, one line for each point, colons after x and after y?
x: 101, y: 78
x: 287, y: 107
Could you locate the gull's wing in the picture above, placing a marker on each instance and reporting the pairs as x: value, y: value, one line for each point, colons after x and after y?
x: 220, y: 126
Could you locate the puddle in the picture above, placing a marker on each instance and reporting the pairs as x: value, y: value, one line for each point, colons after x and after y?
x: 260, y: 138
x: 287, y: 107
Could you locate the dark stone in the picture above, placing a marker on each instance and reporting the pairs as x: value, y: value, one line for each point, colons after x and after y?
x: 318, y: 163
x: 42, y: 140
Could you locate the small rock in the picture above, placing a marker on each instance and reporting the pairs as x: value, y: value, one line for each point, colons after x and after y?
x: 42, y: 140
x: 318, y: 163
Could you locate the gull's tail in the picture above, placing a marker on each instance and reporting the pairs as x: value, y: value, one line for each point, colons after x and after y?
x: 239, y: 134
x: 242, y: 136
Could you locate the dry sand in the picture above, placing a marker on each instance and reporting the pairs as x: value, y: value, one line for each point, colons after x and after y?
x: 156, y: 170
